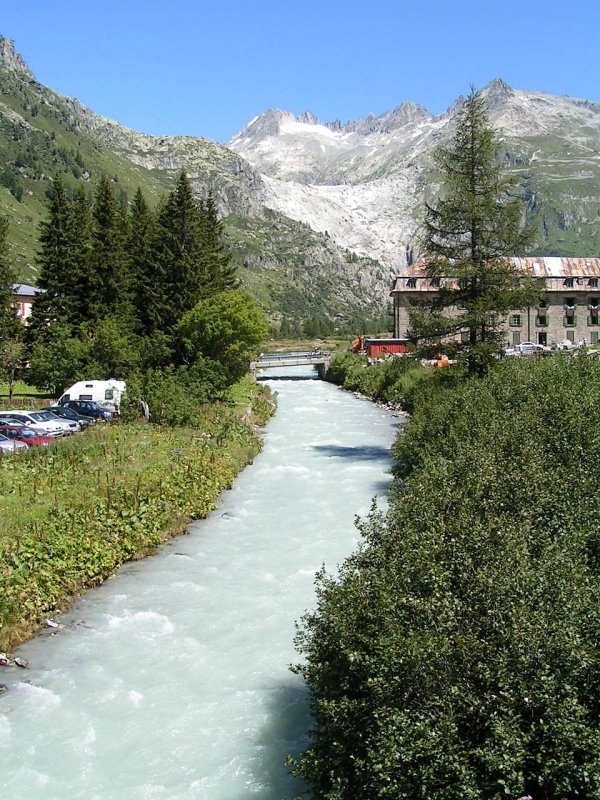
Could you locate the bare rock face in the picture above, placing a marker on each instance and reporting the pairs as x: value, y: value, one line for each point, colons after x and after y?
x: 365, y: 181
x: 12, y: 60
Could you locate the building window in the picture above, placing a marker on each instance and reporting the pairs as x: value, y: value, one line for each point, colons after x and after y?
x: 542, y: 337
x: 411, y: 283
x: 464, y: 337
x: 515, y: 320
x: 543, y: 303
x: 434, y: 283
x: 594, y: 337
x: 568, y: 283
x: 570, y: 336
x: 569, y: 306
x: 541, y: 320
x: 516, y: 337
x: 593, y: 283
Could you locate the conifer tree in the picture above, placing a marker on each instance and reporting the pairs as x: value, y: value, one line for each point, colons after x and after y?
x: 470, y: 234
x: 8, y: 317
x: 59, y: 267
x: 81, y: 222
x: 140, y: 262
x: 219, y: 272
x: 107, y: 281
x: 177, y: 257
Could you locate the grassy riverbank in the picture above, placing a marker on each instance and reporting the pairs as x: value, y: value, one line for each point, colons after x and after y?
x: 72, y: 513
x: 390, y: 381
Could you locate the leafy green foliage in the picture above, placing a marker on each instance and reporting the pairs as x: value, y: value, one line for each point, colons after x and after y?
x: 227, y: 328
x: 457, y: 654
x: 58, y: 360
x: 389, y: 381
x: 175, y: 395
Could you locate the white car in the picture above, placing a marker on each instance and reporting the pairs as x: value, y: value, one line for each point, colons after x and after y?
x: 11, y: 445
x: 567, y: 344
x: 527, y: 349
x: 43, y: 421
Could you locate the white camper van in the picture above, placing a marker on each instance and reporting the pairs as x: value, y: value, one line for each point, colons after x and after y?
x: 105, y: 393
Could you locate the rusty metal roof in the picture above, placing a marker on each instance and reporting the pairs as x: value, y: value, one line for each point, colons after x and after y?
x: 542, y: 267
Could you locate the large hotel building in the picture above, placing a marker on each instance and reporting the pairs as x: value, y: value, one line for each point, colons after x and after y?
x: 569, y: 310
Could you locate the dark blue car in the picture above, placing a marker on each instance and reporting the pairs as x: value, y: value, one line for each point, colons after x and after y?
x: 89, y: 409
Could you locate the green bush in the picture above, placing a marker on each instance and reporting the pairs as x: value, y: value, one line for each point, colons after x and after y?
x: 457, y: 655
x: 389, y: 381
x: 176, y: 395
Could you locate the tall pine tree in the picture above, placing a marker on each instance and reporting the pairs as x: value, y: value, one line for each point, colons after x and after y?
x: 140, y: 263
x: 177, y: 256
x: 8, y: 317
x: 58, y: 266
x: 218, y: 269
x: 108, y: 290
x: 470, y: 234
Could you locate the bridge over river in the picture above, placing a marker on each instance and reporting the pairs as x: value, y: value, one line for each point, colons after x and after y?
x: 315, y: 358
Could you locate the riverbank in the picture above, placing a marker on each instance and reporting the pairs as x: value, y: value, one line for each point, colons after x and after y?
x: 74, y: 512
x: 390, y: 383
x: 467, y: 622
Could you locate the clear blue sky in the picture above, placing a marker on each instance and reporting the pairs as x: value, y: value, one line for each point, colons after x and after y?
x: 205, y: 68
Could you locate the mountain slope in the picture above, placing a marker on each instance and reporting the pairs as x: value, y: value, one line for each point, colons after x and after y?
x: 365, y: 181
x: 320, y: 216
x: 43, y: 132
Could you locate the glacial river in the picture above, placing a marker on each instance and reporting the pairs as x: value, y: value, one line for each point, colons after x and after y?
x: 171, y: 680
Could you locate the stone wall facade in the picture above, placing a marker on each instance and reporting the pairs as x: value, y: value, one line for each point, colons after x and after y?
x: 569, y: 311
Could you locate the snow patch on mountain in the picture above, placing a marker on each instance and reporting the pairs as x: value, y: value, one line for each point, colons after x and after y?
x: 364, y: 182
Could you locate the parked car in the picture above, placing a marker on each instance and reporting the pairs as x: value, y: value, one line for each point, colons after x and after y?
x: 11, y: 422
x: 567, y: 344
x: 527, y: 349
x: 43, y: 421
x: 11, y: 445
x: 73, y: 416
x: 89, y: 408
x: 30, y: 437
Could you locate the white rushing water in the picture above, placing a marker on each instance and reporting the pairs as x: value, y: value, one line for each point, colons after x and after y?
x: 172, y: 680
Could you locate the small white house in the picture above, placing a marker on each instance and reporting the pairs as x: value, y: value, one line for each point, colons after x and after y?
x: 23, y: 296
x: 107, y: 393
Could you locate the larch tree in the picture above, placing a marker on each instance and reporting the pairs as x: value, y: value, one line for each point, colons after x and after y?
x: 470, y: 233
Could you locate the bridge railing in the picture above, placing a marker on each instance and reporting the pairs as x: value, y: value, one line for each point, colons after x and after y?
x: 286, y: 356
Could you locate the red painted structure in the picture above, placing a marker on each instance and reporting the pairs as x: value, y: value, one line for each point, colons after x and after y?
x: 379, y: 348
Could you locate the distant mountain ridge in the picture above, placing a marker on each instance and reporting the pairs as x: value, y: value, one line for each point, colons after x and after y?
x: 320, y: 216
x: 290, y: 268
x: 365, y: 181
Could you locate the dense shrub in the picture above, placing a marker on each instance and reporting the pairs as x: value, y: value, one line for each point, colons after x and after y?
x: 390, y: 381
x: 175, y: 395
x: 456, y: 656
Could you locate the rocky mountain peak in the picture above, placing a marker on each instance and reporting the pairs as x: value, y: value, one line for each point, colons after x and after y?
x: 262, y: 127
x: 11, y: 60
x: 497, y: 92
x: 308, y: 118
